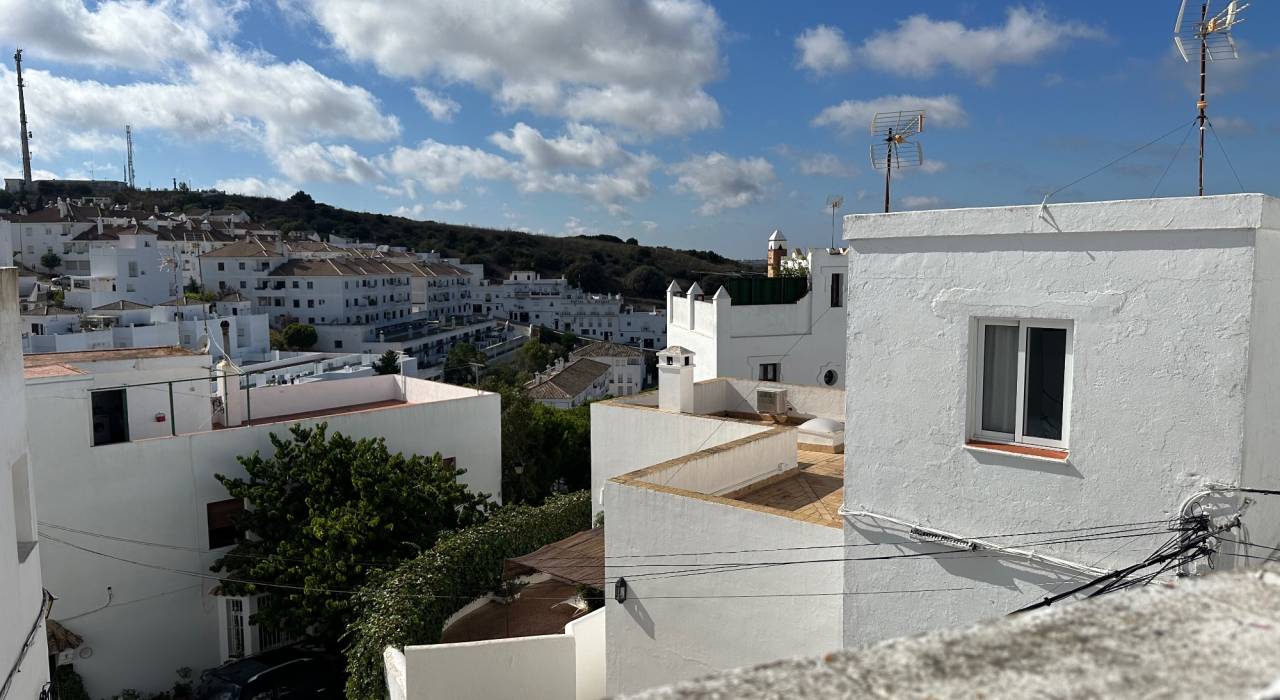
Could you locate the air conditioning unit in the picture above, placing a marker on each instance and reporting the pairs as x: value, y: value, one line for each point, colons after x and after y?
x: 772, y: 401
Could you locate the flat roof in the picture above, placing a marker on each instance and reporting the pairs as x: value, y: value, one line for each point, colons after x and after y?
x: 813, y: 492
x: 56, y: 358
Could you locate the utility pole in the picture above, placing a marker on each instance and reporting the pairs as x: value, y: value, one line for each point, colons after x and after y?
x: 22, y: 122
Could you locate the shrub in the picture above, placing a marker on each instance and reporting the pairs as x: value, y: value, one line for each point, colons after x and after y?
x: 409, y: 604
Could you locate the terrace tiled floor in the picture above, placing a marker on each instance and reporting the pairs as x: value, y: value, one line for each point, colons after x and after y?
x: 813, y: 494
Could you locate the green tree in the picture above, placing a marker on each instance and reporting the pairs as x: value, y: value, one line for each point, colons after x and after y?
x: 298, y: 336
x: 389, y: 363
x: 533, y: 356
x: 50, y: 261
x: 645, y: 281
x: 458, y: 364
x: 586, y: 275
x: 324, y: 512
x: 544, y: 450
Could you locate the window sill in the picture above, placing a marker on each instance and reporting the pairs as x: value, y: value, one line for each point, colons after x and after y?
x: 1044, y: 454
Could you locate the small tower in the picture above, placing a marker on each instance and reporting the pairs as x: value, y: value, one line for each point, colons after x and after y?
x: 777, y: 251
x: 675, y: 379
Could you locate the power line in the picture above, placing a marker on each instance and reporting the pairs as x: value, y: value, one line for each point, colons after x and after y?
x: 1174, y: 158
x: 1224, y: 154
x: 1117, y: 160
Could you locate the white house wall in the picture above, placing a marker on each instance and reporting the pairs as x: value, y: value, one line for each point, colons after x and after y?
x: 156, y: 491
x: 1162, y: 321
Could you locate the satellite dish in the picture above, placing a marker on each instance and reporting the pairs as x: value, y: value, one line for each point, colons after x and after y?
x: 891, y: 148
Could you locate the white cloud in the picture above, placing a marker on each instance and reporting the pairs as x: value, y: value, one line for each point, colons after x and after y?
x: 582, y: 147
x: 1233, y: 125
x: 722, y: 182
x: 314, y: 162
x: 649, y: 225
x: 930, y: 167
x: 440, y: 167
x: 414, y: 212
x: 441, y: 107
x: 826, y: 165
x: 919, y: 45
x: 852, y: 116
x: 823, y: 49
x: 455, y: 205
x: 255, y: 187
x: 639, y: 64
x: 912, y: 201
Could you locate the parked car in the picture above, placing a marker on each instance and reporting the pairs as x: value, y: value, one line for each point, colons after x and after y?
x: 294, y: 672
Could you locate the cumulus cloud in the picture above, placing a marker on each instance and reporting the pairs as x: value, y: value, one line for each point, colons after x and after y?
x: 826, y: 165
x: 823, y: 49
x: 255, y: 187
x: 314, y: 162
x: 441, y: 107
x: 722, y: 182
x: 852, y: 116
x: 919, y: 45
x: 440, y: 167
x: 416, y: 211
x: 582, y: 147
x: 454, y: 205
x: 639, y: 64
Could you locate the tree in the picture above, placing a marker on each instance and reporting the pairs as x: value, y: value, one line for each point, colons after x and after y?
x: 586, y: 275
x: 389, y: 363
x: 645, y: 281
x: 302, y: 199
x: 50, y: 261
x: 324, y: 512
x: 298, y: 336
x: 544, y: 450
x: 458, y: 365
x: 533, y: 356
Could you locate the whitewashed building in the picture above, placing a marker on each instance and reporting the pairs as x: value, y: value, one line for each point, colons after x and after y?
x: 569, y: 385
x: 1055, y: 369
x: 126, y: 446
x: 24, y: 603
x: 527, y: 297
x: 787, y: 327
x: 109, y: 264
x: 626, y: 365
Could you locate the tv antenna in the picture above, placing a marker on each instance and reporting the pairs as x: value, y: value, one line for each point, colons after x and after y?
x: 128, y: 140
x: 834, y: 202
x: 1213, y: 35
x: 891, y: 148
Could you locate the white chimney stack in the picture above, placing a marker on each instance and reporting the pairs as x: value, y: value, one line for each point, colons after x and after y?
x: 675, y: 379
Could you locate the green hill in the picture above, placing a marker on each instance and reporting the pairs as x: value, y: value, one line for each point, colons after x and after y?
x: 595, y: 263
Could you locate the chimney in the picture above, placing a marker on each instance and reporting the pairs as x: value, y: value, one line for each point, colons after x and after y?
x: 777, y: 251
x: 675, y: 379
x: 226, y: 338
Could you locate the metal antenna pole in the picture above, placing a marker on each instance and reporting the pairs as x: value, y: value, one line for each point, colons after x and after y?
x: 888, y: 168
x: 22, y: 122
x: 1202, y: 104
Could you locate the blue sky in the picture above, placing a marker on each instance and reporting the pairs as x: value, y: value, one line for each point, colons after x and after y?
x: 679, y: 122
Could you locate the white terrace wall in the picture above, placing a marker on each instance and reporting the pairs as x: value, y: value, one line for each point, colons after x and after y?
x: 157, y: 490
x: 730, y: 466
x: 568, y: 666
x: 1167, y: 323
x: 677, y: 628
x: 626, y: 437
x: 804, y: 401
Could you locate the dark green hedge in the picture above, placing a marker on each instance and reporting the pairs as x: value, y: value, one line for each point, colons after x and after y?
x: 397, y: 608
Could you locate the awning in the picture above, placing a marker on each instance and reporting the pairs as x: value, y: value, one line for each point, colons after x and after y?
x: 60, y: 638
x: 577, y: 559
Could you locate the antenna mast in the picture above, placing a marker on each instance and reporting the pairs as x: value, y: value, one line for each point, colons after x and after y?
x: 892, y: 149
x: 834, y: 202
x: 22, y: 122
x: 128, y: 140
x: 1213, y: 35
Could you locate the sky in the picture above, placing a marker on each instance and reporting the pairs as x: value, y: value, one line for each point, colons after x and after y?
x: 680, y: 122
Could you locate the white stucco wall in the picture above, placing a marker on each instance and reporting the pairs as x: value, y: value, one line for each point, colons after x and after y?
x: 20, y: 580
x: 157, y: 490
x: 655, y: 640
x: 1163, y: 322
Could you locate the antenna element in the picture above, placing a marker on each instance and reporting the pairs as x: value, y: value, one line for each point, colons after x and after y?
x: 891, y: 149
x: 834, y: 202
x: 128, y: 141
x: 22, y: 122
x: 1213, y: 35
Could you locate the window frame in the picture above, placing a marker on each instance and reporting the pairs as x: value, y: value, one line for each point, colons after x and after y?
x: 1018, y: 437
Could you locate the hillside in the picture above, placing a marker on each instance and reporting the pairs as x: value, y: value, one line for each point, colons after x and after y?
x: 595, y: 263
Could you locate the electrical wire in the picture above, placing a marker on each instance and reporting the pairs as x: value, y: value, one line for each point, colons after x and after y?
x: 1224, y: 154
x: 1174, y: 159
x: 1117, y: 160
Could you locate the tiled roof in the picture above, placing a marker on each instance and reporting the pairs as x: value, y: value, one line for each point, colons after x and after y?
x: 434, y: 269
x: 179, y: 234
x: 569, y: 382
x: 577, y: 559
x: 121, y: 305
x: 181, y: 301
x: 48, y: 215
x: 337, y: 267
x: 109, y: 233
x: 603, y: 348
x: 252, y: 248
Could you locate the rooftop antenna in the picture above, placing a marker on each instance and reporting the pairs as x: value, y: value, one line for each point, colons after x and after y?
x: 834, y: 202
x: 22, y: 122
x: 891, y: 149
x: 1213, y: 35
x: 128, y: 141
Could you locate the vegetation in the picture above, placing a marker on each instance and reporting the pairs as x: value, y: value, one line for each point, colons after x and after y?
x: 67, y: 684
x: 545, y: 450
x: 600, y: 263
x: 57, y: 297
x: 50, y: 261
x: 326, y: 512
x: 388, y: 363
x: 459, y: 364
x: 409, y: 604
x: 298, y: 336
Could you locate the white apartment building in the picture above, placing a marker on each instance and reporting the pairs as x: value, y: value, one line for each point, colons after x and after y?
x: 31, y: 236
x: 787, y: 327
x: 527, y: 297
x: 24, y: 603
x: 126, y: 447
x: 1045, y: 368
x: 700, y: 468
x: 181, y: 248
x: 626, y: 365
x: 111, y: 264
